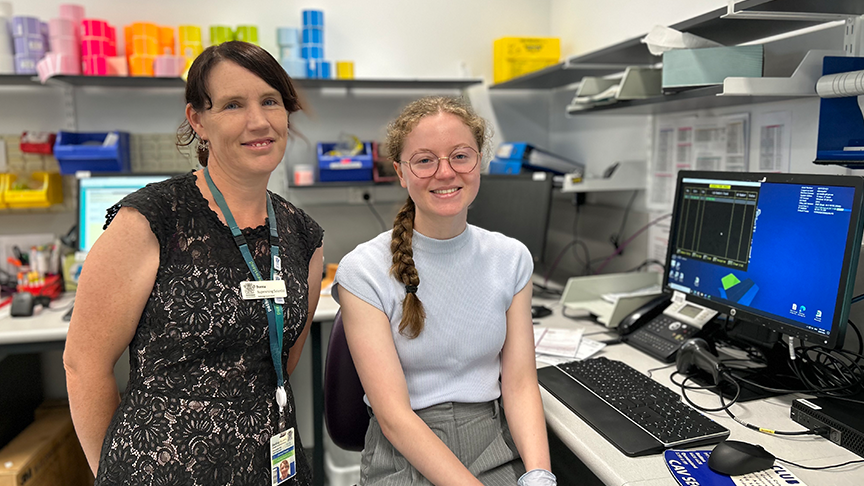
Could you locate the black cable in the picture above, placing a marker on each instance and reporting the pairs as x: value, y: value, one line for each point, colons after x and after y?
x: 558, y: 259
x: 858, y: 333
x: 375, y: 212
x: 652, y: 370
x: 817, y: 468
x: 650, y: 261
x: 857, y: 298
x: 616, y: 238
x: 546, y: 291
x: 724, y: 407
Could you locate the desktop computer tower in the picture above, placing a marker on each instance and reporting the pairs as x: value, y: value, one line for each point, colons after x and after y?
x: 842, y: 418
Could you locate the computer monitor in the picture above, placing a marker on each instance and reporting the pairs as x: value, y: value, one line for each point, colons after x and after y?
x: 776, y: 250
x: 99, y: 192
x: 515, y: 205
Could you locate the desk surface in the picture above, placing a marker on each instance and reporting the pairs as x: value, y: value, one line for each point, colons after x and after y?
x: 607, y: 463
x: 613, y: 467
x: 48, y: 325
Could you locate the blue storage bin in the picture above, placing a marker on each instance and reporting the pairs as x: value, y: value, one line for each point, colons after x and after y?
x: 498, y: 166
x: 77, y: 151
x: 344, y: 168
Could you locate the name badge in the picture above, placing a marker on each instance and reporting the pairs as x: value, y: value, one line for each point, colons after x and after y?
x: 283, y: 464
x: 265, y: 289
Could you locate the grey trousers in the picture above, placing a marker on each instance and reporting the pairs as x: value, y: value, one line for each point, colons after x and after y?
x: 477, y: 433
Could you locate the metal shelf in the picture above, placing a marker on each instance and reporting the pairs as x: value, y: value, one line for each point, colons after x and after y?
x: 693, y: 99
x: 18, y: 80
x: 711, y: 25
x: 344, y: 184
x: 151, y: 82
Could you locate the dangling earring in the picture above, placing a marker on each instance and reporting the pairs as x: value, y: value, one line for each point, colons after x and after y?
x: 203, y: 145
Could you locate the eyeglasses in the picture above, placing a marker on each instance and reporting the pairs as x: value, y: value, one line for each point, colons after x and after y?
x: 425, y: 164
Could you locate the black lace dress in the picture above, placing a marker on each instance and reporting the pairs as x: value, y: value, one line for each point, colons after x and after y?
x: 199, y: 407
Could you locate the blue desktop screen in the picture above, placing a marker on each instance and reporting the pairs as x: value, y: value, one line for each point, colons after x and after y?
x: 773, y: 249
x: 97, y: 194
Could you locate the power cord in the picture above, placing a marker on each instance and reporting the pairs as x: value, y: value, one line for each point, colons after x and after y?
x: 615, y: 239
x: 366, y: 198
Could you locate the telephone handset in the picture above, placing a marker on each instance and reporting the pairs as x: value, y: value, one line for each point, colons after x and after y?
x: 661, y: 326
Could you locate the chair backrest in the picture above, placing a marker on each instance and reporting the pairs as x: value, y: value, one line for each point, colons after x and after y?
x: 344, y: 410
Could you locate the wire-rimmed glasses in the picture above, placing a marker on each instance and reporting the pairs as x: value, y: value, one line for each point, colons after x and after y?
x: 425, y: 164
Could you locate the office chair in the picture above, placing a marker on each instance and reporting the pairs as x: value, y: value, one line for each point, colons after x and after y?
x: 344, y: 410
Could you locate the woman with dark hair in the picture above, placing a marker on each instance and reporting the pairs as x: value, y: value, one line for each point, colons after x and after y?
x: 437, y: 315
x: 211, y: 281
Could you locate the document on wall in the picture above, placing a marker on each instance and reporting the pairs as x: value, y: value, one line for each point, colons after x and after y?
x: 774, y: 141
x: 673, y: 151
x: 720, y: 143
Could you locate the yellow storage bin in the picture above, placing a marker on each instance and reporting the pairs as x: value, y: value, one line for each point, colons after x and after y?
x: 517, y: 56
x: 50, y: 193
x: 3, y: 183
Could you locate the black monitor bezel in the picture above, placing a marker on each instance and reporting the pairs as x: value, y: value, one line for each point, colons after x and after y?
x: 549, y: 186
x: 850, y: 257
x: 83, y: 175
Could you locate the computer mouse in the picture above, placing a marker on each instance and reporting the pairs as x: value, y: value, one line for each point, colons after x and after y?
x: 734, y: 458
x: 540, y: 311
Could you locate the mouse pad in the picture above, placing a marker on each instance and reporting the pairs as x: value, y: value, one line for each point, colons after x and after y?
x: 691, y: 467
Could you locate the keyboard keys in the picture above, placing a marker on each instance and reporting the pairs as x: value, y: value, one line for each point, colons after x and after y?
x: 654, y: 408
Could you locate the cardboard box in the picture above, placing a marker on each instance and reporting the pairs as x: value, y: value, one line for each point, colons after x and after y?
x: 46, y: 453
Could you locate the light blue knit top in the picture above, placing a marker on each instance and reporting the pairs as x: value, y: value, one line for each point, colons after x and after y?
x: 467, y: 283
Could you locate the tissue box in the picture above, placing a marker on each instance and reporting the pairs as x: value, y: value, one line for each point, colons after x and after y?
x: 685, y: 68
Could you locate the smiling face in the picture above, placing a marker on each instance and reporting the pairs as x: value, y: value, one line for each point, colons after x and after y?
x: 442, y: 200
x: 247, y: 124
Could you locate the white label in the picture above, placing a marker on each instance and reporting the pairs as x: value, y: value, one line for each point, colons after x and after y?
x: 111, y: 139
x: 809, y: 404
x: 678, y: 297
x: 504, y: 151
x: 265, y: 289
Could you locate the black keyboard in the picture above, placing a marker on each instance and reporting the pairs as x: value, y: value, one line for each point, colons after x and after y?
x: 632, y: 411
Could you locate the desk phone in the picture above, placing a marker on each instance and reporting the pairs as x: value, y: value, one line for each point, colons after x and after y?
x: 662, y: 335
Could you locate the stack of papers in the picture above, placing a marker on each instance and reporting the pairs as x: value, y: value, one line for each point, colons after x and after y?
x: 555, y: 346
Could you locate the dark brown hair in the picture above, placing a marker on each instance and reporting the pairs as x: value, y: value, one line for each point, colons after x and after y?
x: 246, y: 55
x: 403, y: 269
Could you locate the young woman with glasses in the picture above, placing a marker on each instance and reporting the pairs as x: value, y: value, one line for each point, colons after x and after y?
x: 437, y: 314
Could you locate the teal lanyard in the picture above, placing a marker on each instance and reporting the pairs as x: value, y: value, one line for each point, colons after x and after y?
x: 275, y: 318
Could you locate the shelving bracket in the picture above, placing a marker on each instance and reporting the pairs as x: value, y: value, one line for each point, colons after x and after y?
x: 70, y: 117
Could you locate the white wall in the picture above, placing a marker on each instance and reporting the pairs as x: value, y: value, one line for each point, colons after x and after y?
x: 588, y: 25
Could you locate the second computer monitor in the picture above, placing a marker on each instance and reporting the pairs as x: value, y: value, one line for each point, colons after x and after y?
x: 517, y: 206
x: 97, y: 193
x: 777, y: 250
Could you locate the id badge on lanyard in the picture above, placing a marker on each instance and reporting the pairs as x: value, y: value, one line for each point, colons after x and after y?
x: 271, y: 292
